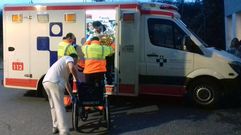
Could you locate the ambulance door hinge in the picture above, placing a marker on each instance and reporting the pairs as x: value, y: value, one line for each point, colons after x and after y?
x: 28, y: 17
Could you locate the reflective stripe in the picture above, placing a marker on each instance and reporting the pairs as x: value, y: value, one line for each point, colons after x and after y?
x: 102, y: 52
x: 86, y: 52
x: 95, y: 54
x: 95, y: 59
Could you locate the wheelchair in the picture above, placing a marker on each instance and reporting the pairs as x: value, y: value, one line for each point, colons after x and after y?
x: 89, y: 96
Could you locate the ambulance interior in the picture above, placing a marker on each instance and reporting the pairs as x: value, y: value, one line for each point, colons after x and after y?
x: 108, y: 19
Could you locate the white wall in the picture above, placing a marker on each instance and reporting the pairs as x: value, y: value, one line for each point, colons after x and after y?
x: 232, y: 20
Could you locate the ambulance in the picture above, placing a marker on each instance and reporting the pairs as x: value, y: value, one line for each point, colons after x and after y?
x: 156, y: 53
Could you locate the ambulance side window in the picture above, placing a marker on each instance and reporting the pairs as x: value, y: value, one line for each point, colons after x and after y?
x: 165, y: 33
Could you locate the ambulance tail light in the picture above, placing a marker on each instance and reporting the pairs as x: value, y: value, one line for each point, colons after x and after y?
x: 70, y: 18
x: 17, y: 18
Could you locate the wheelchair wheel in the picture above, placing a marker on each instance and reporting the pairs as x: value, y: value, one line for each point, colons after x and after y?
x: 107, y: 112
x: 75, y: 115
x: 83, y: 114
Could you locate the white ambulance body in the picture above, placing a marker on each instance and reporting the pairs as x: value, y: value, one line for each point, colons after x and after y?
x: 155, y: 52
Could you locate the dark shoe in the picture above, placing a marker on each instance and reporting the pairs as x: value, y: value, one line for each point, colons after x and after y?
x: 68, y: 108
x: 55, y: 130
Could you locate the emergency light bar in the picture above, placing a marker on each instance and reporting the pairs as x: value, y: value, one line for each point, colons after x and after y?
x: 168, y: 7
x: 158, y: 6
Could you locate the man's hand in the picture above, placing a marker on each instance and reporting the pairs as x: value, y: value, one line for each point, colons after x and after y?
x: 73, y: 99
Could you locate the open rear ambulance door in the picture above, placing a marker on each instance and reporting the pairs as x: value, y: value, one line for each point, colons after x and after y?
x: 16, y: 46
x: 127, y: 51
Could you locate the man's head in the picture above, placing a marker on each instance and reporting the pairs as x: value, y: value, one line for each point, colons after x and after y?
x: 75, y: 57
x: 70, y: 37
x: 95, y: 38
x: 98, y: 26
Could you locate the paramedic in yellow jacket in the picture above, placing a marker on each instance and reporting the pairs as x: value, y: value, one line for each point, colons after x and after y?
x: 95, y: 62
x: 106, y: 37
x: 65, y: 47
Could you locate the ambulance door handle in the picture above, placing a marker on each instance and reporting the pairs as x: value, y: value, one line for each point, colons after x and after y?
x: 11, y: 49
x: 28, y: 75
x: 152, y: 55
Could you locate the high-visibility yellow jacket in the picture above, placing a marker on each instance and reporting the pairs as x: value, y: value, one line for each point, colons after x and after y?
x: 65, y: 49
x: 94, y: 55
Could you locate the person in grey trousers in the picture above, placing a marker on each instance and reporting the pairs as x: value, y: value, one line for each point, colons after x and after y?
x: 55, y: 82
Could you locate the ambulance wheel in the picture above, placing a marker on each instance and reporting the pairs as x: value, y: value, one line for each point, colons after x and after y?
x: 83, y: 114
x: 205, y: 92
x: 44, y: 93
x: 41, y: 92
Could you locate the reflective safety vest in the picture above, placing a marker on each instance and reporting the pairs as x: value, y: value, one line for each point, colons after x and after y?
x: 94, y: 55
x: 65, y: 49
x: 81, y: 62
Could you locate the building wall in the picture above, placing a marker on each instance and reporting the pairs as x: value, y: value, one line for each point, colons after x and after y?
x: 232, y: 6
x: 232, y: 20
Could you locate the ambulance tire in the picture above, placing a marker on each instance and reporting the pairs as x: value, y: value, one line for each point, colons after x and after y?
x: 41, y: 92
x: 44, y: 94
x: 205, y: 93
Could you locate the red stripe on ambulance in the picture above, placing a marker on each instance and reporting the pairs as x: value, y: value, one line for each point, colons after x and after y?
x: 19, y: 8
x: 149, y: 12
x: 72, y: 7
x: 162, y: 90
x: 21, y: 82
x: 127, y: 88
